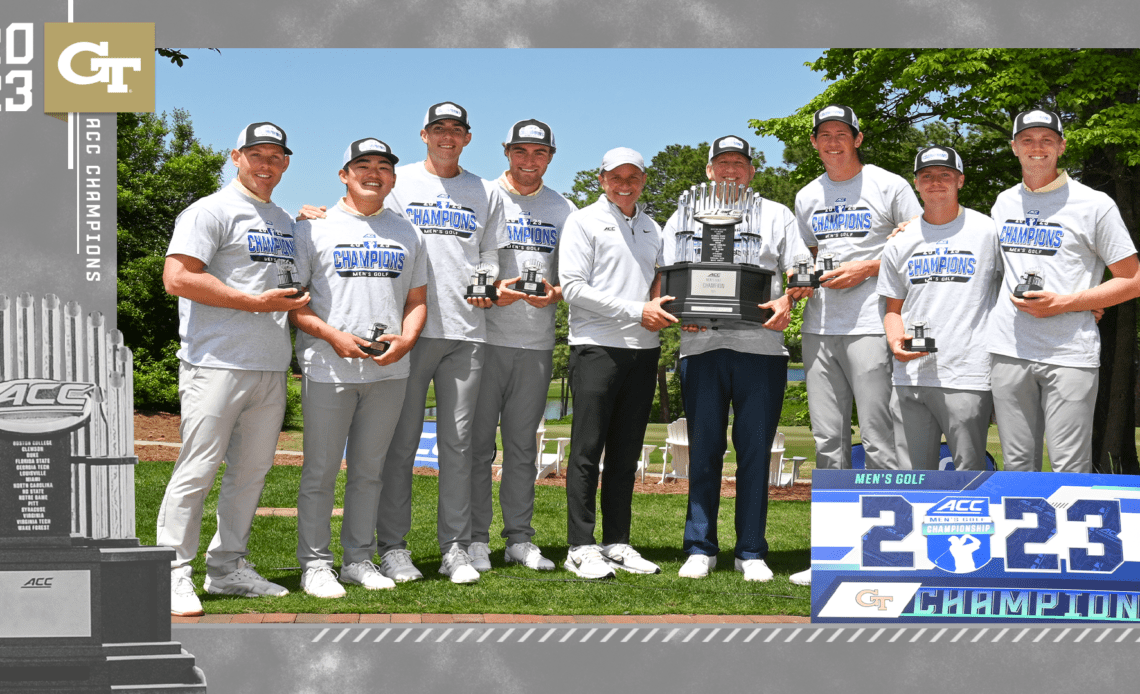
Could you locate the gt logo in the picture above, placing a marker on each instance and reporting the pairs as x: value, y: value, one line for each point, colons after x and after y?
x: 38, y: 582
x: 873, y: 599
x: 107, y: 70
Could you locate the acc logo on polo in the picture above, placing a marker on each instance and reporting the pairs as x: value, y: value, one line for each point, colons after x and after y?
x: 98, y: 67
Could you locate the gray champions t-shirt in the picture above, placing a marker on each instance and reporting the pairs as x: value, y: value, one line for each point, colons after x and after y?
x: 533, y: 227
x: 461, y: 220
x: 780, y: 245
x: 1070, y: 235
x: 947, y: 275
x: 359, y: 271
x: 851, y: 219
x: 240, y: 240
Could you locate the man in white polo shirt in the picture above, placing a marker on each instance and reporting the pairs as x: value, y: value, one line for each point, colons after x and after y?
x: 607, y: 263
x: 1045, y: 344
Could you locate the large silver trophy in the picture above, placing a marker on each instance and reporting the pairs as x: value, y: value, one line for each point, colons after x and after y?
x: 717, y: 281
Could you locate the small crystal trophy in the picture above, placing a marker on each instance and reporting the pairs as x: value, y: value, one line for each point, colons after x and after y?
x: 1032, y: 281
x: 376, y: 346
x: 804, y: 275
x: 920, y: 342
x: 531, y: 282
x: 285, y: 270
x: 482, y: 283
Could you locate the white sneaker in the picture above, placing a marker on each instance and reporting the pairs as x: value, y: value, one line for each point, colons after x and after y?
x: 529, y: 555
x: 244, y: 581
x: 754, y: 569
x: 320, y: 582
x: 397, y: 565
x: 480, y: 555
x: 697, y: 566
x: 626, y: 558
x: 457, y: 564
x: 587, y: 562
x: 365, y: 573
x: 802, y: 578
x: 184, y: 601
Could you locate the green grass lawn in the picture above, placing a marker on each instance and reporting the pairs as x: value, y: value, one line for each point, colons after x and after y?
x: 658, y: 526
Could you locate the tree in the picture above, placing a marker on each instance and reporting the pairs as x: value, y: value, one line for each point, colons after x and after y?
x: 162, y: 168
x: 968, y: 98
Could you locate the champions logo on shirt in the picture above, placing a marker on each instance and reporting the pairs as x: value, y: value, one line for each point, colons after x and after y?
x: 527, y: 234
x: 841, y: 221
x: 941, y: 264
x: 443, y: 217
x: 268, y: 245
x: 369, y: 258
x: 1032, y: 235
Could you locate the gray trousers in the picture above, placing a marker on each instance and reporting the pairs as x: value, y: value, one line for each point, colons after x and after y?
x: 512, y: 396
x: 455, y: 366
x: 363, y: 415
x: 1031, y: 400
x: 962, y: 415
x: 227, y: 415
x: 842, y: 368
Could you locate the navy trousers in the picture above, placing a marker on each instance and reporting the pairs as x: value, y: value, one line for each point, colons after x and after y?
x: 754, y: 385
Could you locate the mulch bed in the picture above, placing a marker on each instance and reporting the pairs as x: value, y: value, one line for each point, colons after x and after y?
x: 164, y: 427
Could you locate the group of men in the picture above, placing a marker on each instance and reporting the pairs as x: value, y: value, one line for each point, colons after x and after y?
x: 385, y: 309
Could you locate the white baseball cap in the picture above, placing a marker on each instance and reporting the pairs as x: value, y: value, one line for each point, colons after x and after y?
x: 622, y: 155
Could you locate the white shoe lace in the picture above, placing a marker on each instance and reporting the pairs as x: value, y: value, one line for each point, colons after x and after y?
x: 367, y: 568
x: 399, y: 558
x: 183, y: 586
x: 588, y: 554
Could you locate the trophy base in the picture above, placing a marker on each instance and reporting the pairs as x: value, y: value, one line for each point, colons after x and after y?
x: 1019, y: 290
x: 530, y: 288
x: 375, y: 349
x: 810, y: 280
x: 482, y: 291
x: 920, y: 344
x: 297, y: 294
x: 717, y: 295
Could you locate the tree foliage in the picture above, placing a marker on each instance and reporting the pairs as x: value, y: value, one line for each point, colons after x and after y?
x: 967, y: 98
x: 162, y: 168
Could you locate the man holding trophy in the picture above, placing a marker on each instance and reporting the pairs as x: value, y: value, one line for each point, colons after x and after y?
x: 366, y: 271
x: 940, y: 279
x: 744, y: 366
x: 460, y: 218
x: 846, y: 215
x: 1057, y: 236
x: 517, y: 364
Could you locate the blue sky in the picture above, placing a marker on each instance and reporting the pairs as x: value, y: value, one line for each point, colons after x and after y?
x: 593, y: 99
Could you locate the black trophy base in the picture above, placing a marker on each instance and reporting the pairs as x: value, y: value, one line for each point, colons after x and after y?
x: 919, y: 344
x: 1019, y: 290
x: 108, y: 628
x: 375, y: 349
x: 482, y: 291
x: 298, y: 290
x: 805, y: 280
x: 530, y: 288
x: 717, y: 295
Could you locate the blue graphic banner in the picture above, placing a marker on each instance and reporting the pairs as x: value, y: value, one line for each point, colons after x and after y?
x: 974, y: 547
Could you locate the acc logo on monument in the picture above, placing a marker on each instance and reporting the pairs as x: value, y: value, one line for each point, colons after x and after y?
x: 958, y: 531
x: 41, y: 406
x: 98, y: 67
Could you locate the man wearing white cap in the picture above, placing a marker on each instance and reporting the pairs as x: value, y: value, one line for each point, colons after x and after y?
x: 222, y: 263
x: 746, y: 369
x: 606, y: 262
x: 1044, y: 342
x: 520, y: 345
x: 460, y: 217
x: 366, y: 271
x: 944, y: 272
